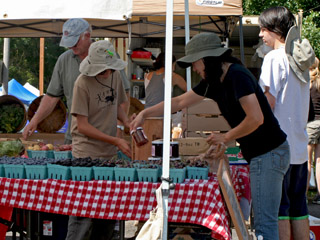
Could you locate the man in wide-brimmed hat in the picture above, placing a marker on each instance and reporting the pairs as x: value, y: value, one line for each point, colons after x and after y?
x: 97, y: 96
x: 76, y: 36
x: 285, y: 80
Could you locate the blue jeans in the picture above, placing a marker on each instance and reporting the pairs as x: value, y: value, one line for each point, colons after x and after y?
x: 80, y: 228
x: 266, y: 176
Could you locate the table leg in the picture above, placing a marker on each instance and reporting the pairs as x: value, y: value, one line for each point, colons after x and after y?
x: 21, y: 224
x: 122, y: 229
x: 29, y: 219
x: 39, y: 225
x: 14, y: 219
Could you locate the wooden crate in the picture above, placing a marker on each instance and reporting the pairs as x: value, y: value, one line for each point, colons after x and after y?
x: 204, y: 117
x: 54, y: 138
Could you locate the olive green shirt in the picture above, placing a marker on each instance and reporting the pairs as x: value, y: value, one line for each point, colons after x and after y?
x: 65, y: 73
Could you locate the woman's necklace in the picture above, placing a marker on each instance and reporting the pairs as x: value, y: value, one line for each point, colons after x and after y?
x: 108, y: 98
x: 105, y: 84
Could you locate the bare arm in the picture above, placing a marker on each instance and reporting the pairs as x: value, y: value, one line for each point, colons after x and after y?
x: 254, y: 118
x: 122, y: 115
x: 125, y: 107
x: 47, y: 105
x: 84, y: 127
x: 177, y: 103
x: 271, y: 99
x: 179, y: 81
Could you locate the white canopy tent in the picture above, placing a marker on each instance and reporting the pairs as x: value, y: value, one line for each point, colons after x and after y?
x: 123, y: 18
x: 39, y: 18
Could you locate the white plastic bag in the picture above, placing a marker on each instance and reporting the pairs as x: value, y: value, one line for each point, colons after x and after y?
x: 153, y: 228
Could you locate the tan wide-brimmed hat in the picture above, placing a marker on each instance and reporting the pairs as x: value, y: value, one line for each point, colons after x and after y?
x: 101, y: 56
x: 300, y: 54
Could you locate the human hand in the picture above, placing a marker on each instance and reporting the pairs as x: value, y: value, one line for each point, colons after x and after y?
x: 133, y: 116
x: 124, y: 147
x: 216, y: 138
x: 29, y: 130
x: 136, y: 121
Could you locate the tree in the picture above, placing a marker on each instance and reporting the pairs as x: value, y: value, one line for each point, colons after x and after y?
x: 311, y: 31
x: 310, y: 22
x: 24, y: 59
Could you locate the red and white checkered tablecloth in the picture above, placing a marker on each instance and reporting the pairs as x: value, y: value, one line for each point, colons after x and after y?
x: 195, y: 201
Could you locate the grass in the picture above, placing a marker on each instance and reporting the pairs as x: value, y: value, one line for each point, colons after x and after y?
x: 311, y: 194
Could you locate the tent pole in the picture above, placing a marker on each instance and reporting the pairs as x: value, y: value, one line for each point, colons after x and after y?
x: 5, y: 67
x: 41, y: 66
x: 187, y: 38
x: 241, y: 41
x: 167, y: 116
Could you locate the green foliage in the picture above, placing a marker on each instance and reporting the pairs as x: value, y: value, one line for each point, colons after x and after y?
x: 311, y: 31
x: 24, y: 59
x: 11, y: 148
x: 255, y: 7
x: 11, y: 116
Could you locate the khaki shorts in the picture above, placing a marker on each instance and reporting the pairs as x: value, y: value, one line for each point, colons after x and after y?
x: 313, y: 130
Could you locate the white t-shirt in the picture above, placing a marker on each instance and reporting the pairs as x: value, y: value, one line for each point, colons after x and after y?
x: 292, y: 101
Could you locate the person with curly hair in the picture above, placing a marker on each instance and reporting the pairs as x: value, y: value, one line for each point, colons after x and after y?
x: 313, y: 128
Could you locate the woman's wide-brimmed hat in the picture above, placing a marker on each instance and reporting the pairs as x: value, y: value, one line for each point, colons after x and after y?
x: 300, y: 54
x: 101, y: 56
x: 200, y: 46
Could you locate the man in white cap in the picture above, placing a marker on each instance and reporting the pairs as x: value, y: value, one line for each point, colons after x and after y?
x: 98, y: 94
x: 77, y: 37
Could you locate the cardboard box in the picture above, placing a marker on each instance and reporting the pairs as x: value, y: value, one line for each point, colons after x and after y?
x: 205, y: 106
x: 205, y: 134
x: 205, y: 116
x: 314, y: 228
x: 207, y: 122
x: 192, y: 146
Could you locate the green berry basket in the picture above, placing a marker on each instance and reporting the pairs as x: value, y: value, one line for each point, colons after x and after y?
x: 60, y: 155
x: 41, y: 154
x: 125, y: 174
x: 178, y: 175
x: 148, y: 174
x: 14, y: 171
x: 58, y: 172
x: 81, y: 173
x: 103, y: 173
x: 1, y: 170
x: 29, y: 153
x: 36, y: 171
x: 197, y: 173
